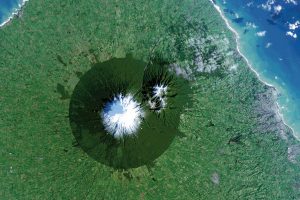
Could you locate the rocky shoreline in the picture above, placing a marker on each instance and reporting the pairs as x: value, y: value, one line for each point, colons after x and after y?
x: 16, y: 14
x: 269, y: 98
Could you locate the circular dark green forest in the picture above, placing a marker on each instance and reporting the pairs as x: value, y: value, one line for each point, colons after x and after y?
x: 127, y: 76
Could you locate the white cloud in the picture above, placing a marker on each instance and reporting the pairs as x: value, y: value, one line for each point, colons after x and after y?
x: 294, y: 26
x: 268, y: 5
x: 290, y: 33
x: 277, y: 9
x: 261, y: 33
x: 291, y: 1
x: 250, y: 3
x: 250, y: 25
x: 233, y: 67
x: 268, y: 44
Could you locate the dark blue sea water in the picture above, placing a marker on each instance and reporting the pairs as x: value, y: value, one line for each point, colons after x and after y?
x: 7, y: 7
x: 270, y: 38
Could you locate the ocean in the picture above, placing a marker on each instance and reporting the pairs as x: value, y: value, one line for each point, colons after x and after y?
x: 269, y: 33
x: 269, y: 37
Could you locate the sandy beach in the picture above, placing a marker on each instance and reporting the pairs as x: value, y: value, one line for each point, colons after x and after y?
x: 237, y: 39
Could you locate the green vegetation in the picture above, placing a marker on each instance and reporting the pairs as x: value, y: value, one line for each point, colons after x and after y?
x: 127, y: 76
x: 232, y: 146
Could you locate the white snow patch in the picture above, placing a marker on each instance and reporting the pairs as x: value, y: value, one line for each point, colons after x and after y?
x: 159, y: 99
x: 160, y: 90
x: 122, y: 116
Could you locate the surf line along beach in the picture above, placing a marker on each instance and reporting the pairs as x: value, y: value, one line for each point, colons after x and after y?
x: 237, y: 39
x: 15, y: 13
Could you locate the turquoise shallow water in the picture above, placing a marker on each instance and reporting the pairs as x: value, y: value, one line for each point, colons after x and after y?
x: 270, y: 38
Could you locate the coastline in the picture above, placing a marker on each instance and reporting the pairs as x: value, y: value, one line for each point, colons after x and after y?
x: 237, y: 38
x: 15, y: 13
